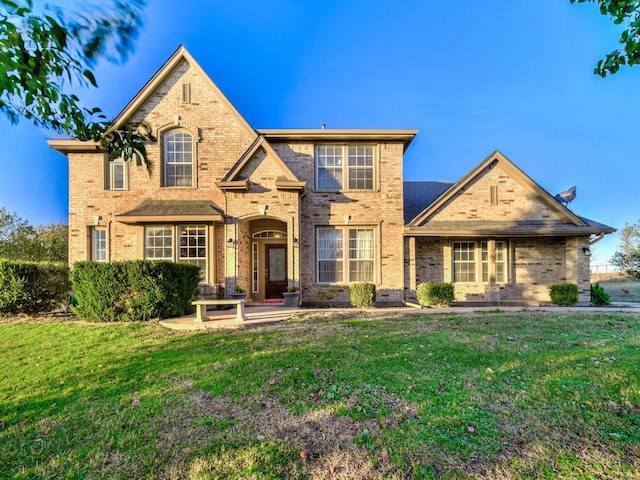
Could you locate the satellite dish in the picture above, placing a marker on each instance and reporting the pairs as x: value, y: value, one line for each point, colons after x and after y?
x: 566, y: 197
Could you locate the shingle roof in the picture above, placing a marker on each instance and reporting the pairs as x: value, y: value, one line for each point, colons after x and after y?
x: 419, y: 195
x: 157, y: 210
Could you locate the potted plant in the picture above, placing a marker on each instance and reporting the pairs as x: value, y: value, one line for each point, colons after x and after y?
x: 291, y: 296
x: 238, y: 293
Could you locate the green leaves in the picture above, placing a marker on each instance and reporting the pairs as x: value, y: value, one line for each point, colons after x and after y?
x: 625, y: 12
x: 42, y: 55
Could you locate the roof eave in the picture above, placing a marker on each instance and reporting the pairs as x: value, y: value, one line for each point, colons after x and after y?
x: 68, y: 145
x: 406, y: 136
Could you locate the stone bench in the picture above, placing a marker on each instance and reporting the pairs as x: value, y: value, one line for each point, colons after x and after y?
x: 201, y: 308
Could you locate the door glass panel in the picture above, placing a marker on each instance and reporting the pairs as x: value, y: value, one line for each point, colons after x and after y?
x: 277, y: 262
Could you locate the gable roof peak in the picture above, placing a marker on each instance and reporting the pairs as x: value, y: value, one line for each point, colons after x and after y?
x: 181, y: 54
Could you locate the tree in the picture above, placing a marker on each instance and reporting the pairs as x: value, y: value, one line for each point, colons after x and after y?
x: 42, y: 54
x: 21, y: 241
x: 627, y: 258
x: 625, y: 12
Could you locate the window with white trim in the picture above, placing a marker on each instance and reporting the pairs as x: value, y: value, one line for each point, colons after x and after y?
x: 332, y: 257
x: 178, y: 159
x: 468, y: 257
x: 158, y: 242
x: 333, y: 174
x: 98, y: 244
x: 118, y: 175
x: 191, y: 241
x: 193, y: 246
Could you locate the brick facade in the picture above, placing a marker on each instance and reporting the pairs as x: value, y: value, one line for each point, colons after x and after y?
x: 263, y: 184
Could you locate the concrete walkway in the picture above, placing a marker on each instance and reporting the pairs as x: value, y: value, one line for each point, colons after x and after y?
x: 264, y: 314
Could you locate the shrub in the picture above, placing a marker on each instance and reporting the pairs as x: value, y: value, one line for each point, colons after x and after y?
x: 134, y: 290
x: 435, y: 294
x: 32, y: 287
x: 564, y: 294
x: 362, y: 294
x: 599, y: 296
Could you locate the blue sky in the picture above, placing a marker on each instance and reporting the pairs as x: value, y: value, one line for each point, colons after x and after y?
x: 472, y: 77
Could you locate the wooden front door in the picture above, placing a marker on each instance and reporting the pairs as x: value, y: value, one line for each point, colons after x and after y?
x: 275, y: 270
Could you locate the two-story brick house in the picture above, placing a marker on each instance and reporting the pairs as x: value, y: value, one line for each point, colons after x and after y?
x: 316, y: 209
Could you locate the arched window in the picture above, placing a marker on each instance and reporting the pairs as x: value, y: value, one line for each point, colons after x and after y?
x: 178, y: 159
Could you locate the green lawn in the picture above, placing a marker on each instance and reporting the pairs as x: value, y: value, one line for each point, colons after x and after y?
x: 489, y: 395
x: 622, y: 290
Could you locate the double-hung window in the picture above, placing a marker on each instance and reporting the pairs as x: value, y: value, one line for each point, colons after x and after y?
x: 335, y: 264
x: 118, y: 175
x: 178, y: 159
x: 471, y: 257
x: 98, y: 244
x: 333, y: 173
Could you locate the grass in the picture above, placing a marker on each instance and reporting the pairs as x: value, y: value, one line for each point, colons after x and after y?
x: 486, y: 396
x: 622, y: 290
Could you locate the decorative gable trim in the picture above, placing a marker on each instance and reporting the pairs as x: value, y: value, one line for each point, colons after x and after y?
x: 516, y: 174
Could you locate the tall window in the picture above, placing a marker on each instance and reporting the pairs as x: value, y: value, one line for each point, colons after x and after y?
x: 361, y: 255
x: 361, y: 167
x: 358, y: 257
x: 330, y: 255
x: 98, y: 244
x: 465, y: 264
x: 464, y: 261
x: 118, y: 175
x: 330, y: 167
x: 331, y: 171
x: 178, y: 159
x: 193, y: 246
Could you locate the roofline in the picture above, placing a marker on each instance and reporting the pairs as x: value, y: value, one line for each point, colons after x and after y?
x: 406, y: 136
x: 181, y: 54
x: 480, y: 232
x: 516, y: 173
x: 70, y: 145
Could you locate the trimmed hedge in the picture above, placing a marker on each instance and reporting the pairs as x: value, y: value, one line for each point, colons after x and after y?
x: 362, y: 294
x: 133, y: 290
x: 564, y: 294
x: 435, y: 294
x: 33, y: 287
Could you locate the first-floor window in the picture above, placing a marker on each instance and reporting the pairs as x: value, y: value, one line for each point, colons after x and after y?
x: 191, y: 242
x: 158, y: 243
x: 471, y: 257
x: 464, y: 261
x: 99, y: 244
x: 193, y: 246
x: 358, y: 257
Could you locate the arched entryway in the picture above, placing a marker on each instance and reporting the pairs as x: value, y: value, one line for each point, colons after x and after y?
x: 269, y: 258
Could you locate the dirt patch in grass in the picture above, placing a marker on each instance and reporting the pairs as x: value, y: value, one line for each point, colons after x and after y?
x: 327, y: 440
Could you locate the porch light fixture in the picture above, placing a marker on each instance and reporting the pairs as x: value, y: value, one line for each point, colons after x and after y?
x: 586, y: 251
x: 263, y: 209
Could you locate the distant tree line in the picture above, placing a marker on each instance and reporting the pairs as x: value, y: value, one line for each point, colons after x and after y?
x: 21, y: 241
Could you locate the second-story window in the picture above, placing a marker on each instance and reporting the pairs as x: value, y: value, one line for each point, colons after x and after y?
x: 178, y: 159
x: 333, y: 173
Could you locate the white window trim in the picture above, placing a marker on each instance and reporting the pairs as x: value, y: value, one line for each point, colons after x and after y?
x: 478, y: 260
x: 94, y: 244
x: 175, y: 239
x: 345, y: 166
x: 165, y: 152
x: 125, y: 174
x: 346, y: 259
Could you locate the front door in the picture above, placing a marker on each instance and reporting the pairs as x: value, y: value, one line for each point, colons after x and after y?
x: 276, y: 270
